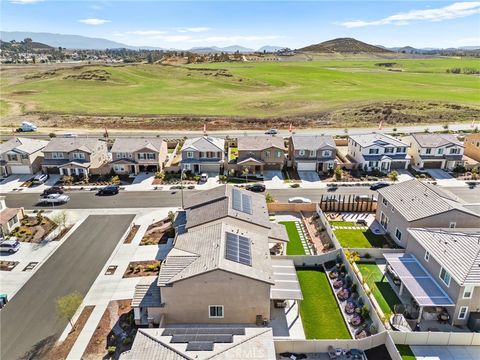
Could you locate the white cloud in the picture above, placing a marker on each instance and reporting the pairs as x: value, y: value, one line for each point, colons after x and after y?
x: 194, y: 29
x: 93, y: 21
x: 25, y: 2
x: 453, y: 11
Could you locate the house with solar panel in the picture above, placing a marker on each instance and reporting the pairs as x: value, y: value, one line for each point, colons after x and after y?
x: 219, y: 271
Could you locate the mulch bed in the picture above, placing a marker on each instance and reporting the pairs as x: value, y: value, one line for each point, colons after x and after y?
x: 32, y: 231
x: 158, y: 233
x: 61, y: 234
x: 142, y: 268
x: 131, y: 234
x: 8, y: 265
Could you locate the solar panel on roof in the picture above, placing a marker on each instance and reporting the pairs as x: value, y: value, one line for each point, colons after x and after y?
x: 237, y: 248
x: 241, y: 202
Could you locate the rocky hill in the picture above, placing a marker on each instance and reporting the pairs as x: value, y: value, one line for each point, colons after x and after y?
x: 344, y: 45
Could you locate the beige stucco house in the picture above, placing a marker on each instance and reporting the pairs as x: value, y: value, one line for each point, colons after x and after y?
x: 259, y: 153
x: 21, y: 155
x: 312, y: 153
x: 10, y: 218
x: 472, y: 146
x: 204, y: 154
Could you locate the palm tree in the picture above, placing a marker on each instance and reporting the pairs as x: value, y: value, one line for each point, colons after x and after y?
x: 393, y: 176
x: 245, y: 173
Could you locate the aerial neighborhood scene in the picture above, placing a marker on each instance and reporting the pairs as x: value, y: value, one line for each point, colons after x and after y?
x: 246, y: 180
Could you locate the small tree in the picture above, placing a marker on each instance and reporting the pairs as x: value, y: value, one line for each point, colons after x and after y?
x: 245, y: 173
x: 269, y: 198
x: 393, y: 176
x: 115, y: 180
x: 60, y: 218
x: 338, y: 174
x: 394, y: 130
x: 171, y: 216
x: 52, y: 135
x: 160, y: 175
x: 67, y: 180
x: 475, y: 173
x: 68, y: 304
x: 445, y: 126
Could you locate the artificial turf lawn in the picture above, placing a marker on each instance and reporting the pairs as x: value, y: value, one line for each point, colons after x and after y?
x: 294, y: 246
x: 352, y: 238
x: 406, y: 352
x: 383, y: 292
x: 321, y: 317
x: 342, y: 223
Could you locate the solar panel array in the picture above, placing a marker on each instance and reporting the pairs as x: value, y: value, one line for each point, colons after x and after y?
x: 202, y: 339
x: 241, y: 201
x: 237, y: 248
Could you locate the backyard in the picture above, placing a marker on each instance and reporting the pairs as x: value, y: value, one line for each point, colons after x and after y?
x: 406, y: 352
x: 294, y: 246
x: 358, y: 238
x: 383, y: 292
x: 319, y: 311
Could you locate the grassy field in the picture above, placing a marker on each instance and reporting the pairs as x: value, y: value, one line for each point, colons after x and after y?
x: 321, y: 317
x: 294, y: 246
x: 351, y: 238
x: 239, y: 89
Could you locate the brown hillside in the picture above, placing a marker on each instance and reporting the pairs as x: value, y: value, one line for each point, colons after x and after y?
x: 344, y: 45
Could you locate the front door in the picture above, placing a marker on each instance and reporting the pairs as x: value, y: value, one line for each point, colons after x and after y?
x: 196, y: 168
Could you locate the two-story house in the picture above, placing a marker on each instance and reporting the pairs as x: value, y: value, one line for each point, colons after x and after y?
x: 10, y: 218
x: 21, y: 155
x: 259, y: 153
x: 436, y: 151
x: 440, y: 270
x: 132, y: 155
x: 414, y: 203
x: 75, y: 156
x: 312, y: 153
x: 378, y: 152
x: 204, y: 154
x: 472, y: 146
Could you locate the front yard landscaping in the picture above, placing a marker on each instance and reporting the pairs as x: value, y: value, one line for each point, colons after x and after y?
x: 353, y: 238
x: 8, y: 265
x: 33, y: 229
x: 142, y: 268
x: 131, y: 234
x: 321, y: 317
x: 158, y: 233
x: 294, y: 246
x: 383, y: 292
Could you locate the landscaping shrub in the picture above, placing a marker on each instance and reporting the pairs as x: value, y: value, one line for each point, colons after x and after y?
x: 111, y: 350
x: 296, y: 185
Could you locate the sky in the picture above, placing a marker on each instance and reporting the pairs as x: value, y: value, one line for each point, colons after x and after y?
x: 294, y: 24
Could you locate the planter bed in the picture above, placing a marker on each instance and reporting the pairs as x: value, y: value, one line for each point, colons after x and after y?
x: 158, y: 233
x: 8, y: 265
x: 142, y: 268
x: 131, y: 234
x: 32, y: 231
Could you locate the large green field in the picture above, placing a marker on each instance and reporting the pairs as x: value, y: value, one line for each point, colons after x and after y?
x: 241, y: 89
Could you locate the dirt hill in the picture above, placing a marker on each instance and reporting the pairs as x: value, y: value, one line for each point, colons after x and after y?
x: 344, y: 45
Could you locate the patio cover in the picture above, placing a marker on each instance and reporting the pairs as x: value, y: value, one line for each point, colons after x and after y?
x: 286, y: 285
x: 419, y: 283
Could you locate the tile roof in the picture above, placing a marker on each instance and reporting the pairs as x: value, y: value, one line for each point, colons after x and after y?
x: 147, y: 293
x: 416, y: 200
x: 456, y: 250
x: 382, y: 140
x: 204, y: 143
x: 88, y: 145
x: 130, y: 145
x: 436, y: 140
x: 23, y: 145
x: 256, y: 143
x: 312, y: 142
x: 8, y: 213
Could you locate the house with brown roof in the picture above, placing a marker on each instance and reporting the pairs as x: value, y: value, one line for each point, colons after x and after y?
x: 204, y: 154
x: 10, y: 218
x: 312, y: 153
x: 21, y: 155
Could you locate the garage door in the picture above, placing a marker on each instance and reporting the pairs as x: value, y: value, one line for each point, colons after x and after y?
x: 20, y: 169
x: 306, y: 166
x: 397, y: 165
x: 432, y: 164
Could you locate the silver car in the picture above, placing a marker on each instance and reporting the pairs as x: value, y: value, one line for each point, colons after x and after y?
x: 10, y: 245
x: 299, y: 200
x: 55, y: 199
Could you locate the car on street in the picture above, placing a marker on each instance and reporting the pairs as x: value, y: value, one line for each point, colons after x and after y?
x: 271, y: 132
x: 40, y: 178
x: 204, y: 177
x: 55, y: 199
x: 9, y: 245
x: 109, y: 190
x: 379, y: 185
x: 256, y: 187
x: 299, y: 200
x: 53, y: 190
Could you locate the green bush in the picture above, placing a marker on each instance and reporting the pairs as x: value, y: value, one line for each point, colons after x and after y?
x: 152, y: 267
x: 296, y: 185
x: 127, y: 341
x: 111, y: 349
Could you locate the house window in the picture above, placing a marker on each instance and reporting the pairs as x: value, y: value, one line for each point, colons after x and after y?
x: 215, y: 311
x: 79, y: 156
x: 384, y: 221
x: 189, y: 154
x: 445, y: 276
x: 384, y: 201
x: 454, y: 151
x: 440, y: 151
x: 388, y: 150
x: 373, y: 151
x: 327, y: 153
x: 187, y: 167
x: 428, y: 151
x: 129, y: 155
x: 462, y: 314
x: 13, y: 221
x: 118, y: 168
x: 267, y: 153
x: 452, y: 225
x: 467, y: 292
x: 313, y: 153
x: 150, y: 156
x: 398, y: 234
x: 12, y: 157
x: 279, y: 154
x: 301, y: 152
x: 401, y: 149
x: 24, y: 157
x: 57, y: 155
x: 427, y: 256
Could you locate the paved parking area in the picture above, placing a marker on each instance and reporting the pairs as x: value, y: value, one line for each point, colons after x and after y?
x: 143, y: 181
x: 273, y: 179
x: 446, y: 352
x: 439, y: 174
x: 13, y: 182
x: 310, y: 179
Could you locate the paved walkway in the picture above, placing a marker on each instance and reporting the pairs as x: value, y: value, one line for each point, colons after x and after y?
x: 303, y: 237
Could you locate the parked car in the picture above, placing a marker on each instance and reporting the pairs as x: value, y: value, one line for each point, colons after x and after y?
x: 379, y: 185
x: 256, y: 187
x: 299, y: 200
x: 109, y: 190
x: 9, y: 245
x: 271, y: 132
x: 53, y: 190
x: 55, y: 199
x: 40, y: 178
x: 204, y: 177
x: 27, y: 127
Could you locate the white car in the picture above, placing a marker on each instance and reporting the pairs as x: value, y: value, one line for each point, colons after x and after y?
x: 271, y: 132
x: 10, y: 245
x: 204, y: 177
x: 299, y: 200
x: 40, y: 178
x: 55, y: 199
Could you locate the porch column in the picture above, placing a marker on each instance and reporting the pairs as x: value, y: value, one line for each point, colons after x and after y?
x: 420, y: 313
x: 401, y: 289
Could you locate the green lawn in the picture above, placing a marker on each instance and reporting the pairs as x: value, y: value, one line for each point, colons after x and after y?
x: 238, y: 89
x: 321, y: 317
x: 294, y: 246
x: 351, y: 238
x: 382, y: 290
x: 342, y: 223
x: 406, y: 352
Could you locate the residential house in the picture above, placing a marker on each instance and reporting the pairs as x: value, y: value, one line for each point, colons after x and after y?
x: 440, y: 270
x: 21, y: 155
x: 436, y: 151
x: 259, y: 153
x: 10, y: 218
x: 75, y: 156
x: 472, y: 146
x: 378, y: 152
x: 312, y: 153
x: 133, y: 155
x: 204, y: 154
x: 412, y: 204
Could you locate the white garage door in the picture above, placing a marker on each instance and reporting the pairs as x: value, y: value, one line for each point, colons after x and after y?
x: 306, y: 166
x: 20, y: 169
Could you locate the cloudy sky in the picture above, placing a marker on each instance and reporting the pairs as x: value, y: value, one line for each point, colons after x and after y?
x: 186, y: 24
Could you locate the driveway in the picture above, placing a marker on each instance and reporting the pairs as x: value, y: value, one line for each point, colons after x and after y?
x: 439, y: 174
x: 29, y: 321
x: 143, y: 181
x: 310, y: 179
x: 404, y: 175
x: 273, y: 179
x: 13, y: 182
x: 446, y: 352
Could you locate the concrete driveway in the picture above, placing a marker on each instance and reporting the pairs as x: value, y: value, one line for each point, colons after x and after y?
x: 13, y: 182
x: 310, y: 179
x: 446, y: 352
x: 143, y: 181
x: 439, y: 174
x: 273, y: 179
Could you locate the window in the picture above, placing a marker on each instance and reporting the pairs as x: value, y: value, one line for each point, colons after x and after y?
x: 398, y: 234
x: 467, y: 292
x: 57, y: 155
x: 373, y: 151
x: 118, y: 168
x: 388, y: 150
x: 13, y: 221
x: 427, y: 256
x: 215, y: 311
x: 445, y: 276
x: 455, y: 151
x: 327, y: 153
x: 313, y: 153
x: 384, y: 201
x: 440, y: 151
x: 189, y: 154
x: 301, y: 152
x: 129, y: 155
x: 12, y: 157
x: 279, y: 154
x: 151, y: 156
x: 452, y: 225
x: 24, y: 157
x: 401, y: 149
x: 267, y: 153
x: 428, y: 151
x: 79, y: 156
x: 384, y: 221
x: 462, y: 314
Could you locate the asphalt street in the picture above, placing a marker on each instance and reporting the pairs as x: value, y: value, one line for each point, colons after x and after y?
x: 29, y: 322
